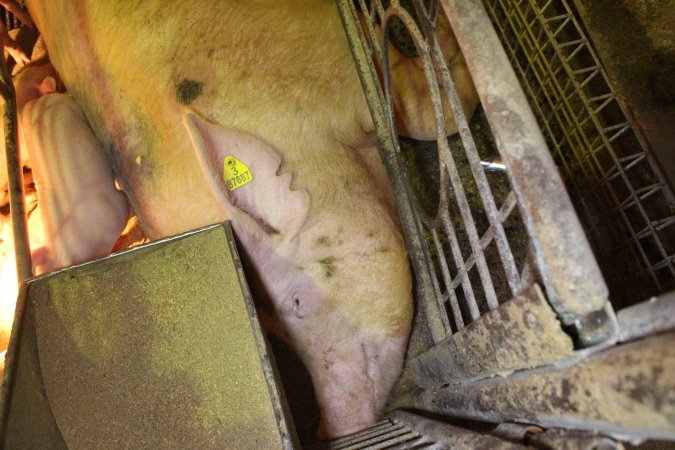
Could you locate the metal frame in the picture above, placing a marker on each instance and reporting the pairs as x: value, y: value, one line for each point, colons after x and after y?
x: 474, y: 347
x: 24, y: 266
x: 625, y: 392
x: 556, y: 237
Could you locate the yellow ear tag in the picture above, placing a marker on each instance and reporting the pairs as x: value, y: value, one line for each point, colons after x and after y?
x: 236, y: 173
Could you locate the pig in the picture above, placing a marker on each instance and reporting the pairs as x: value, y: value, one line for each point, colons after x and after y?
x: 82, y: 212
x: 31, y: 82
x: 253, y: 112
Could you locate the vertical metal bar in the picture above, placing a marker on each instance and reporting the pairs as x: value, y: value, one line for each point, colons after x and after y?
x: 570, y: 273
x: 445, y: 272
x: 462, y: 269
x: 419, y: 254
x: 15, y: 177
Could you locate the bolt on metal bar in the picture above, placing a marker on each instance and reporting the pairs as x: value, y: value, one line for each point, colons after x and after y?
x: 570, y: 273
x: 24, y: 267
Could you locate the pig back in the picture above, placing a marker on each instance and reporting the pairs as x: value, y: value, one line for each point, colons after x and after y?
x: 281, y: 71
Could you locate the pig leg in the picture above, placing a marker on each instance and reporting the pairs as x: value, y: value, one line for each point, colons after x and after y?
x: 83, y: 214
x: 7, y: 42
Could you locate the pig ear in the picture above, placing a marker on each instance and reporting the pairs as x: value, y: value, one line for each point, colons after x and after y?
x: 47, y: 86
x: 263, y: 194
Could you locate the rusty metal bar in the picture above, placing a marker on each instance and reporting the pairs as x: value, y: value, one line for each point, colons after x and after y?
x: 650, y: 317
x: 504, y: 212
x: 24, y: 266
x: 624, y: 391
x: 445, y: 271
x: 523, y: 333
x: 570, y: 273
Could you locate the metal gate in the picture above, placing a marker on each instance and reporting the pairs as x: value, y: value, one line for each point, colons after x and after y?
x: 495, y: 253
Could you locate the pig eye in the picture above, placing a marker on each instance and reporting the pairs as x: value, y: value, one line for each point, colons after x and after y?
x: 296, y: 302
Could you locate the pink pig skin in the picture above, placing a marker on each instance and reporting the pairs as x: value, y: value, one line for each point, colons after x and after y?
x: 172, y: 88
x: 31, y: 82
x: 82, y: 212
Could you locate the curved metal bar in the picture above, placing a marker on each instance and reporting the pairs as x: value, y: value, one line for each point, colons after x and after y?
x: 503, y: 247
x: 428, y: 296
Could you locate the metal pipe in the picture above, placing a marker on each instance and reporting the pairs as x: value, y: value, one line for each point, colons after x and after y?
x: 15, y: 177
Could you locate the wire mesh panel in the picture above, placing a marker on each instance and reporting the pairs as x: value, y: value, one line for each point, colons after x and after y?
x: 626, y: 205
x: 475, y: 229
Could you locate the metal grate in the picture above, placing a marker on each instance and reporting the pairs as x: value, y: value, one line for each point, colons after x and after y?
x: 385, y: 434
x: 625, y: 204
x: 472, y: 235
x: 404, y: 430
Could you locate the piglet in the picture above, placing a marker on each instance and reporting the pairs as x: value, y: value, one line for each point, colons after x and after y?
x: 82, y: 212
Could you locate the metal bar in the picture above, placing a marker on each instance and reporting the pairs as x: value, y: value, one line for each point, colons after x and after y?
x: 522, y: 333
x: 504, y: 212
x: 445, y: 272
x: 624, y: 391
x: 557, y: 108
x: 590, y: 212
x: 462, y: 269
x: 387, y: 145
x: 650, y: 317
x: 24, y: 266
x: 573, y: 289
x: 450, y: 436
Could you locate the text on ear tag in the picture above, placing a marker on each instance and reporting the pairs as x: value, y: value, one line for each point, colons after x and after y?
x: 236, y: 173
